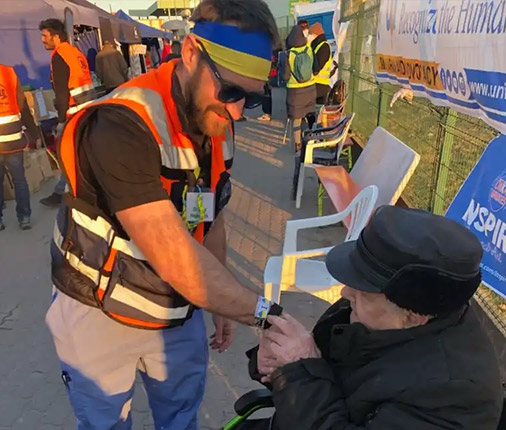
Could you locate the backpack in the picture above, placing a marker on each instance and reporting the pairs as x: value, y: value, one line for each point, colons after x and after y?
x: 302, y: 66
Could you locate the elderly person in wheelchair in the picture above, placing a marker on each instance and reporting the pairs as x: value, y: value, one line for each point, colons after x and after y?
x: 402, y: 350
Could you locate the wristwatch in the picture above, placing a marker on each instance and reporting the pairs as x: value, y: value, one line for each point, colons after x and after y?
x: 264, y: 309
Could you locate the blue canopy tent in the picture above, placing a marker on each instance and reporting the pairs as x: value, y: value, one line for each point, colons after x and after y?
x: 20, y: 36
x: 145, y: 30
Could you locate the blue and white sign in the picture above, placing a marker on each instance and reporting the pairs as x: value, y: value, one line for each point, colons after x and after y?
x: 450, y: 51
x: 480, y: 205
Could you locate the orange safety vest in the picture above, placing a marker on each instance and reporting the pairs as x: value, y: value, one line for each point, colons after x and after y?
x: 80, y: 84
x: 93, y: 261
x: 11, y: 134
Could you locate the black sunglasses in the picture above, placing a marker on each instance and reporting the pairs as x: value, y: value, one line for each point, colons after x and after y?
x: 231, y: 93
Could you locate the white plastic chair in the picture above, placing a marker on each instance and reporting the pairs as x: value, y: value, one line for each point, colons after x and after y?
x: 295, y: 271
x: 387, y: 163
x: 313, y: 151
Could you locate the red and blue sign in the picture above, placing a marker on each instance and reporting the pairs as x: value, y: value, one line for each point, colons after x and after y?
x: 480, y: 205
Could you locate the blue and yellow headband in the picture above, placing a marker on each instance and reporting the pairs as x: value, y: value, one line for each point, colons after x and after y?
x: 247, y: 53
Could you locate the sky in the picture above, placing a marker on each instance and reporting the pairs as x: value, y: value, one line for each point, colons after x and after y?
x: 123, y: 4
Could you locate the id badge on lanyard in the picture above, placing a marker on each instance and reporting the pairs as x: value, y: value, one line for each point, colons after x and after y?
x: 198, y: 206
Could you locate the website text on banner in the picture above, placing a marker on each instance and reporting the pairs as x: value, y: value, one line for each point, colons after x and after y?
x: 451, y: 51
x: 480, y: 205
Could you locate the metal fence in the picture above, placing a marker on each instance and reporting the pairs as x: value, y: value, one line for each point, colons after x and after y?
x: 449, y: 143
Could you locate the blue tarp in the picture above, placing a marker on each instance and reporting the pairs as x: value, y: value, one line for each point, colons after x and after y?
x: 20, y: 41
x: 146, y: 30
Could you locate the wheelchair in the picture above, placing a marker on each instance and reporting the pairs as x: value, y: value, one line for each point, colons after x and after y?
x: 256, y: 400
x: 246, y: 406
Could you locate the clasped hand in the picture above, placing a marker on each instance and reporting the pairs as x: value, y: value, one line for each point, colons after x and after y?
x: 286, y: 341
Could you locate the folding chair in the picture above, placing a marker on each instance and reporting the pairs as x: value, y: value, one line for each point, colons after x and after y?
x: 387, y: 163
x: 315, y: 152
x: 293, y: 270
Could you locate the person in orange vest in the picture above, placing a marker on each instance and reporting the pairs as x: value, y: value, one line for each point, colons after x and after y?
x: 139, y: 246
x: 14, y: 114
x: 72, y: 84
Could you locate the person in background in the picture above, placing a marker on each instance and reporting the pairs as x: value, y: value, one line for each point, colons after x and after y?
x: 267, y: 101
x: 176, y: 52
x: 301, y: 90
x: 111, y: 67
x: 15, y: 113
x: 72, y: 84
x: 302, y: 23
x: 167, y: 49
x: 323, y: 61
x: 266, y: 104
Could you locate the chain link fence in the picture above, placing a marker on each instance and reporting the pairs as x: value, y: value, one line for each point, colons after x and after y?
x: 449, y: 143
x: 284, y: 25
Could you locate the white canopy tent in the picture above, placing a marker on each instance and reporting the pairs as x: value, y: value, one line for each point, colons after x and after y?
x: 303, y: 10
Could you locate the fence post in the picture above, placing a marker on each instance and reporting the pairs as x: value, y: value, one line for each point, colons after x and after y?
x: 356, y: 50
x: 340, y: 59
x: 445, y: 158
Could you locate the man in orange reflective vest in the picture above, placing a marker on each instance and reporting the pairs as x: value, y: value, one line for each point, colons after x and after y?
x: 15, y: 113
x: 139, y: 245
x: 71, y: 80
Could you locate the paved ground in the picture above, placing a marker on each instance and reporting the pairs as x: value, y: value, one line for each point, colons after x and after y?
x: 32, y: 396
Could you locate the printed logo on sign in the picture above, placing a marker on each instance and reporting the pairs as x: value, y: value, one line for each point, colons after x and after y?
x: 498, y: 193
x: 487, y: 221
x: 390, y: 15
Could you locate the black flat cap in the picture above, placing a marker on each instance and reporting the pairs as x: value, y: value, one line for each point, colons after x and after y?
x: 420, y: 261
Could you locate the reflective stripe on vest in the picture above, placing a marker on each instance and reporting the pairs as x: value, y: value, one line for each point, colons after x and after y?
x: 80, y: 82
x: 5, y: 138
x: 11, y: 136
x: 323, y: 77
x: 10, y: 128
x: 91, y: 270
x: 9, y: 119
x: 108, y: 270
x: 292, y: 82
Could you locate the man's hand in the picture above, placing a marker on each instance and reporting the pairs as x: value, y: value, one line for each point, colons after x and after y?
x: 289, y: 341
x: 224, y: 334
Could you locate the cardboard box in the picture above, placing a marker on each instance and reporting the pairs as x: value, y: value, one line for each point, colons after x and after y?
x: 40, y: 158
x: 37, y: 169
x: 29, y: 158
x: 33, y: 172
x: 45, y: 165
x: 41, y: 104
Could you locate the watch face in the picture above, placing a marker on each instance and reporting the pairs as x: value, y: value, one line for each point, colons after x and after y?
x: 275, y: 310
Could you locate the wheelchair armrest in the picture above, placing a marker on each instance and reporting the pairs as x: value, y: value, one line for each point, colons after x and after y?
x: 256, y: 399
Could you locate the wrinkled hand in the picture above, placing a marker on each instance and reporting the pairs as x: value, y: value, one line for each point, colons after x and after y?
x: 266, y: 362
x: 224, y: 334
x: 289, y: 341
